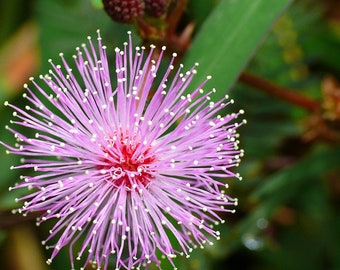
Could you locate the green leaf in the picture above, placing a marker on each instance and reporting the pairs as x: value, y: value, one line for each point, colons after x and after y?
x: 286, y: 186
x: 228, y: 39
x: 97, y: 4
x: 66, y: 25
x: 291, y: 178
x: 199, y: 10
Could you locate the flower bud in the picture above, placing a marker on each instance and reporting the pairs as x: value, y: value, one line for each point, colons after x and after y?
x: 124, y: 11
x: 156, y: 8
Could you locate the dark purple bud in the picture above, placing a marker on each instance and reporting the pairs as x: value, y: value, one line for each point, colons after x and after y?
x: 124, y: 11
x: 156, y: 8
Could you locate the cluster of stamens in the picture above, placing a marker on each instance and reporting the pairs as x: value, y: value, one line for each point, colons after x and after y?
x: 127, y: 162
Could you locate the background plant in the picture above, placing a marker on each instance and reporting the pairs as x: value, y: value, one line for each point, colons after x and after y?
x: 279, y: 61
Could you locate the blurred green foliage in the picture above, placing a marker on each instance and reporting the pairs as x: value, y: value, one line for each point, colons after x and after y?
x: 288, y: 213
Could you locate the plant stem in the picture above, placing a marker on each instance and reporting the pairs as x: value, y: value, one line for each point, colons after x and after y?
x: 282, y: 93
x: 175, y: 16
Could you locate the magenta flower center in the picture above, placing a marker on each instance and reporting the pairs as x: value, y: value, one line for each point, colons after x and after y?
x: 128, y: 161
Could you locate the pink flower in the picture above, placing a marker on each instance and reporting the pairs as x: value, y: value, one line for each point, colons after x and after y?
x: 126, y: 166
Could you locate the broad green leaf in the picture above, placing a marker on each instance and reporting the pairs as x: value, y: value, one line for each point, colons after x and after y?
x: 228, y: 39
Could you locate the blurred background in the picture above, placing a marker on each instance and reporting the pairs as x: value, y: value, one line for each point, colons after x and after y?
x: 286, y: 77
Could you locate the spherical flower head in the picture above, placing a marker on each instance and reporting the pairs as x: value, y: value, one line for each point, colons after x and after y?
x: 129, y: 168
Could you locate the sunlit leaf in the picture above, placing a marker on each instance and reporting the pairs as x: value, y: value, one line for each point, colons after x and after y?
x: 229, y: 38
